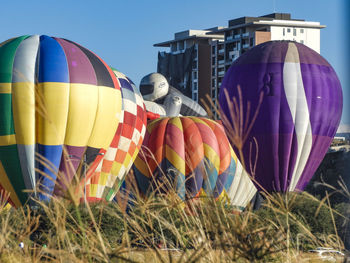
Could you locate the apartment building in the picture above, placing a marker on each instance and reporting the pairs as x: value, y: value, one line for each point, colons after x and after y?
x: 215, y: 49
x: 187, y: 65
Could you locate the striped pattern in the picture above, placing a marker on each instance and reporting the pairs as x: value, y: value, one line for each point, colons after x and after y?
x: 56, y: 98
x: 239, y: 188
x: 292, y: 81
x: 191, y: 153
x: 127, y: 141
x: 298, y: 117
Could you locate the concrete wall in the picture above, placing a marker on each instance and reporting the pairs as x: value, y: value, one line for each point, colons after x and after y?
x: 310, y: 37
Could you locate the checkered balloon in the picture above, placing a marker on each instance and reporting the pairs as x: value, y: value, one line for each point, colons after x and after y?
x: 111, y: 171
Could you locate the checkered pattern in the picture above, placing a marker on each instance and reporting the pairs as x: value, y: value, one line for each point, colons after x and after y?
x: 125, y: 146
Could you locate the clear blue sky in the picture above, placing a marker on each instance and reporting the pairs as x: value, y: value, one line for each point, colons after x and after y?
x: 123, y: 32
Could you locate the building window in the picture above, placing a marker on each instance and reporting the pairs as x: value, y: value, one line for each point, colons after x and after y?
x: 288, y: 30
x: 284, y: 31
x: 195, y: 86
x: 213, y: 82
x: 195, y: 96
x: 194, y: 64
x: 195, y: 53
x: 301, y: 30
x: 294, y: 31
x: 213, y: 49
x: 302, y: 41
x: 251, y: 41
x: 173, y: 47
x: 213, y: 61
x: 213, y: 95
x: 181, y: 45
x: 194, y: 74
x: 213, y: 71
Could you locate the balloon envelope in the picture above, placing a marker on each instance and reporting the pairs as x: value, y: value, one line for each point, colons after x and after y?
x: 297, y: 118
x: 58, y: 100
x: 194, y: 154
x: 127, y: 141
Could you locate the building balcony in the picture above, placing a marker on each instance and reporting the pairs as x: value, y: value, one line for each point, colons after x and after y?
x: 222, y: 61
x: 229, y: 38
x: 233, y: 55
x: 245, y: 46
x: 237, y: 36
x: 246, y: 34
x: 221, y: 51
x: 221, y: 73
x: 221, y: 65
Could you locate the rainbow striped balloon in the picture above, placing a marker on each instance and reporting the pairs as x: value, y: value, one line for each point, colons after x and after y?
x: 194, y: 155
x: 58, y: 100
x: 109, y: 175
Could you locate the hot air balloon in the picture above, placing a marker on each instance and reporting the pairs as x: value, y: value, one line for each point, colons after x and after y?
x: 284, y: 102
x: 194, y: 155
x: 116, y: 163
x: 58, y: 103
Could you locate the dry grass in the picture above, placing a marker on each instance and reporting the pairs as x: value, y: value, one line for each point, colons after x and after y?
x: 163, y: 228
x: 156, y: 229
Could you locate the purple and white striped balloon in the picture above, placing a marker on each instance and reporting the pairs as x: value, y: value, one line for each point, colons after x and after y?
x: 299, y: 114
